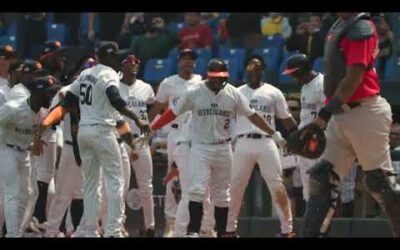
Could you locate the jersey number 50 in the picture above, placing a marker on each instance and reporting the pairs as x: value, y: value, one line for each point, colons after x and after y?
x: 86, y: 94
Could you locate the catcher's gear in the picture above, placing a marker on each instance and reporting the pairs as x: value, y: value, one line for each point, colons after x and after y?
x: 308, y: 142
x: 324, y: 193
x: 383, y: 187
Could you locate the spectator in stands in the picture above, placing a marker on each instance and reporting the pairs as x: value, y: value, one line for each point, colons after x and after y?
x: 195, y: 34
x: 7, y: 57
x: 152, y: 44
x: 222, y: 35
x: 274, y: 23
x: 111, y: 25
x: 328, y: 19
x: 385, y: 36
x: 308, y: 38
x: 72, y: 22
x: 244, y: 30
x: 31, y: 34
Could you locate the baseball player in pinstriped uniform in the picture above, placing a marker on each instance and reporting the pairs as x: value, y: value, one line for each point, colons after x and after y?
x: 52, y: 60
x: 18, y: 121
x: 170, y: 90
x: 214, y: 104
x: 7, y: 55
x: 69, y: 178
x: 256, y: 146
x: 96, y: 91
x: 139, y: 95
x: 312, y: 100
x: 29, y: 71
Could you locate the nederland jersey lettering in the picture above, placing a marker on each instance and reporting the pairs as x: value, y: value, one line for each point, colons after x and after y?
x: 137, y: 96
x: 268, y: 102
x: 212, y: 114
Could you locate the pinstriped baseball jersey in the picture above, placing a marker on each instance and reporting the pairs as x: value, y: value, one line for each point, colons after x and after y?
x: 4, y: 89
x: 170, y: 90
x: 18, y: 123
x: 138, y: 95
x: 268, y: 101
x: 18, y: 91
x: 90, y: 87
x: 212, y: 114
x: 312, y: 100
x: 67, y: 120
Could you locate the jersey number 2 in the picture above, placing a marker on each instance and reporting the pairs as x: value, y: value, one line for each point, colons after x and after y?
x: 227, y: 121
x: 86, y: 94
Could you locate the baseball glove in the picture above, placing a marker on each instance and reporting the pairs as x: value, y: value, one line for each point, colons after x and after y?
x: 308, y: 142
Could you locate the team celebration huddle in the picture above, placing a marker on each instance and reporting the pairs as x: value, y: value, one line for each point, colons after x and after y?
x: 110, y: 124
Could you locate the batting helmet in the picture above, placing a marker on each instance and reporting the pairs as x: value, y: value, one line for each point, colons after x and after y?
x: 298, y: 64
x: 217, y: 68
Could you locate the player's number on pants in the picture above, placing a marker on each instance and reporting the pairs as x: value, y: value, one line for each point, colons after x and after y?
x: 268, y: 118
x: 86, y: 94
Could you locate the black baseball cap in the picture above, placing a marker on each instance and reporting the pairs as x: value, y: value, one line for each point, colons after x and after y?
x: 108, y: 48
x: 32, y: 66
x: 52, y: 46
x: 189, y: 52
x: 7, y: 52
x: 46, y: 83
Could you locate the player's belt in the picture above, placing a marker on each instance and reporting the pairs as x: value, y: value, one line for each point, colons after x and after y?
x: 18, y: 148
x: 68, y: 143
x: 351, y: 105
x: 216, y: 143
x: 254, y: 136
x: 175, y: 126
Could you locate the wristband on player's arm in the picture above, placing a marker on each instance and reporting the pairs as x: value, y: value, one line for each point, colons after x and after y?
x: 167, y: 117
x: 333, y: 107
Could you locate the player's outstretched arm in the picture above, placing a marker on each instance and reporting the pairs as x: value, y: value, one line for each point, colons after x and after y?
x: 156, y: 109
x: 119, y: 104
x: 167, y: 117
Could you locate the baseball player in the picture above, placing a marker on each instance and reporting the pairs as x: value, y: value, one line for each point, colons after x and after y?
x: 256, y: 146
x: 139, y: 95
x: 357, y: 121
x: 96, y: 92
x: 52, y: 59
x: 18, y: 121
x: 159, y: 144
x: 312, y: 100
x: 214, y: 104
x: 69, y: 178
x: 170, y: 90
x: 29, y: 72
x: 7, y: 55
